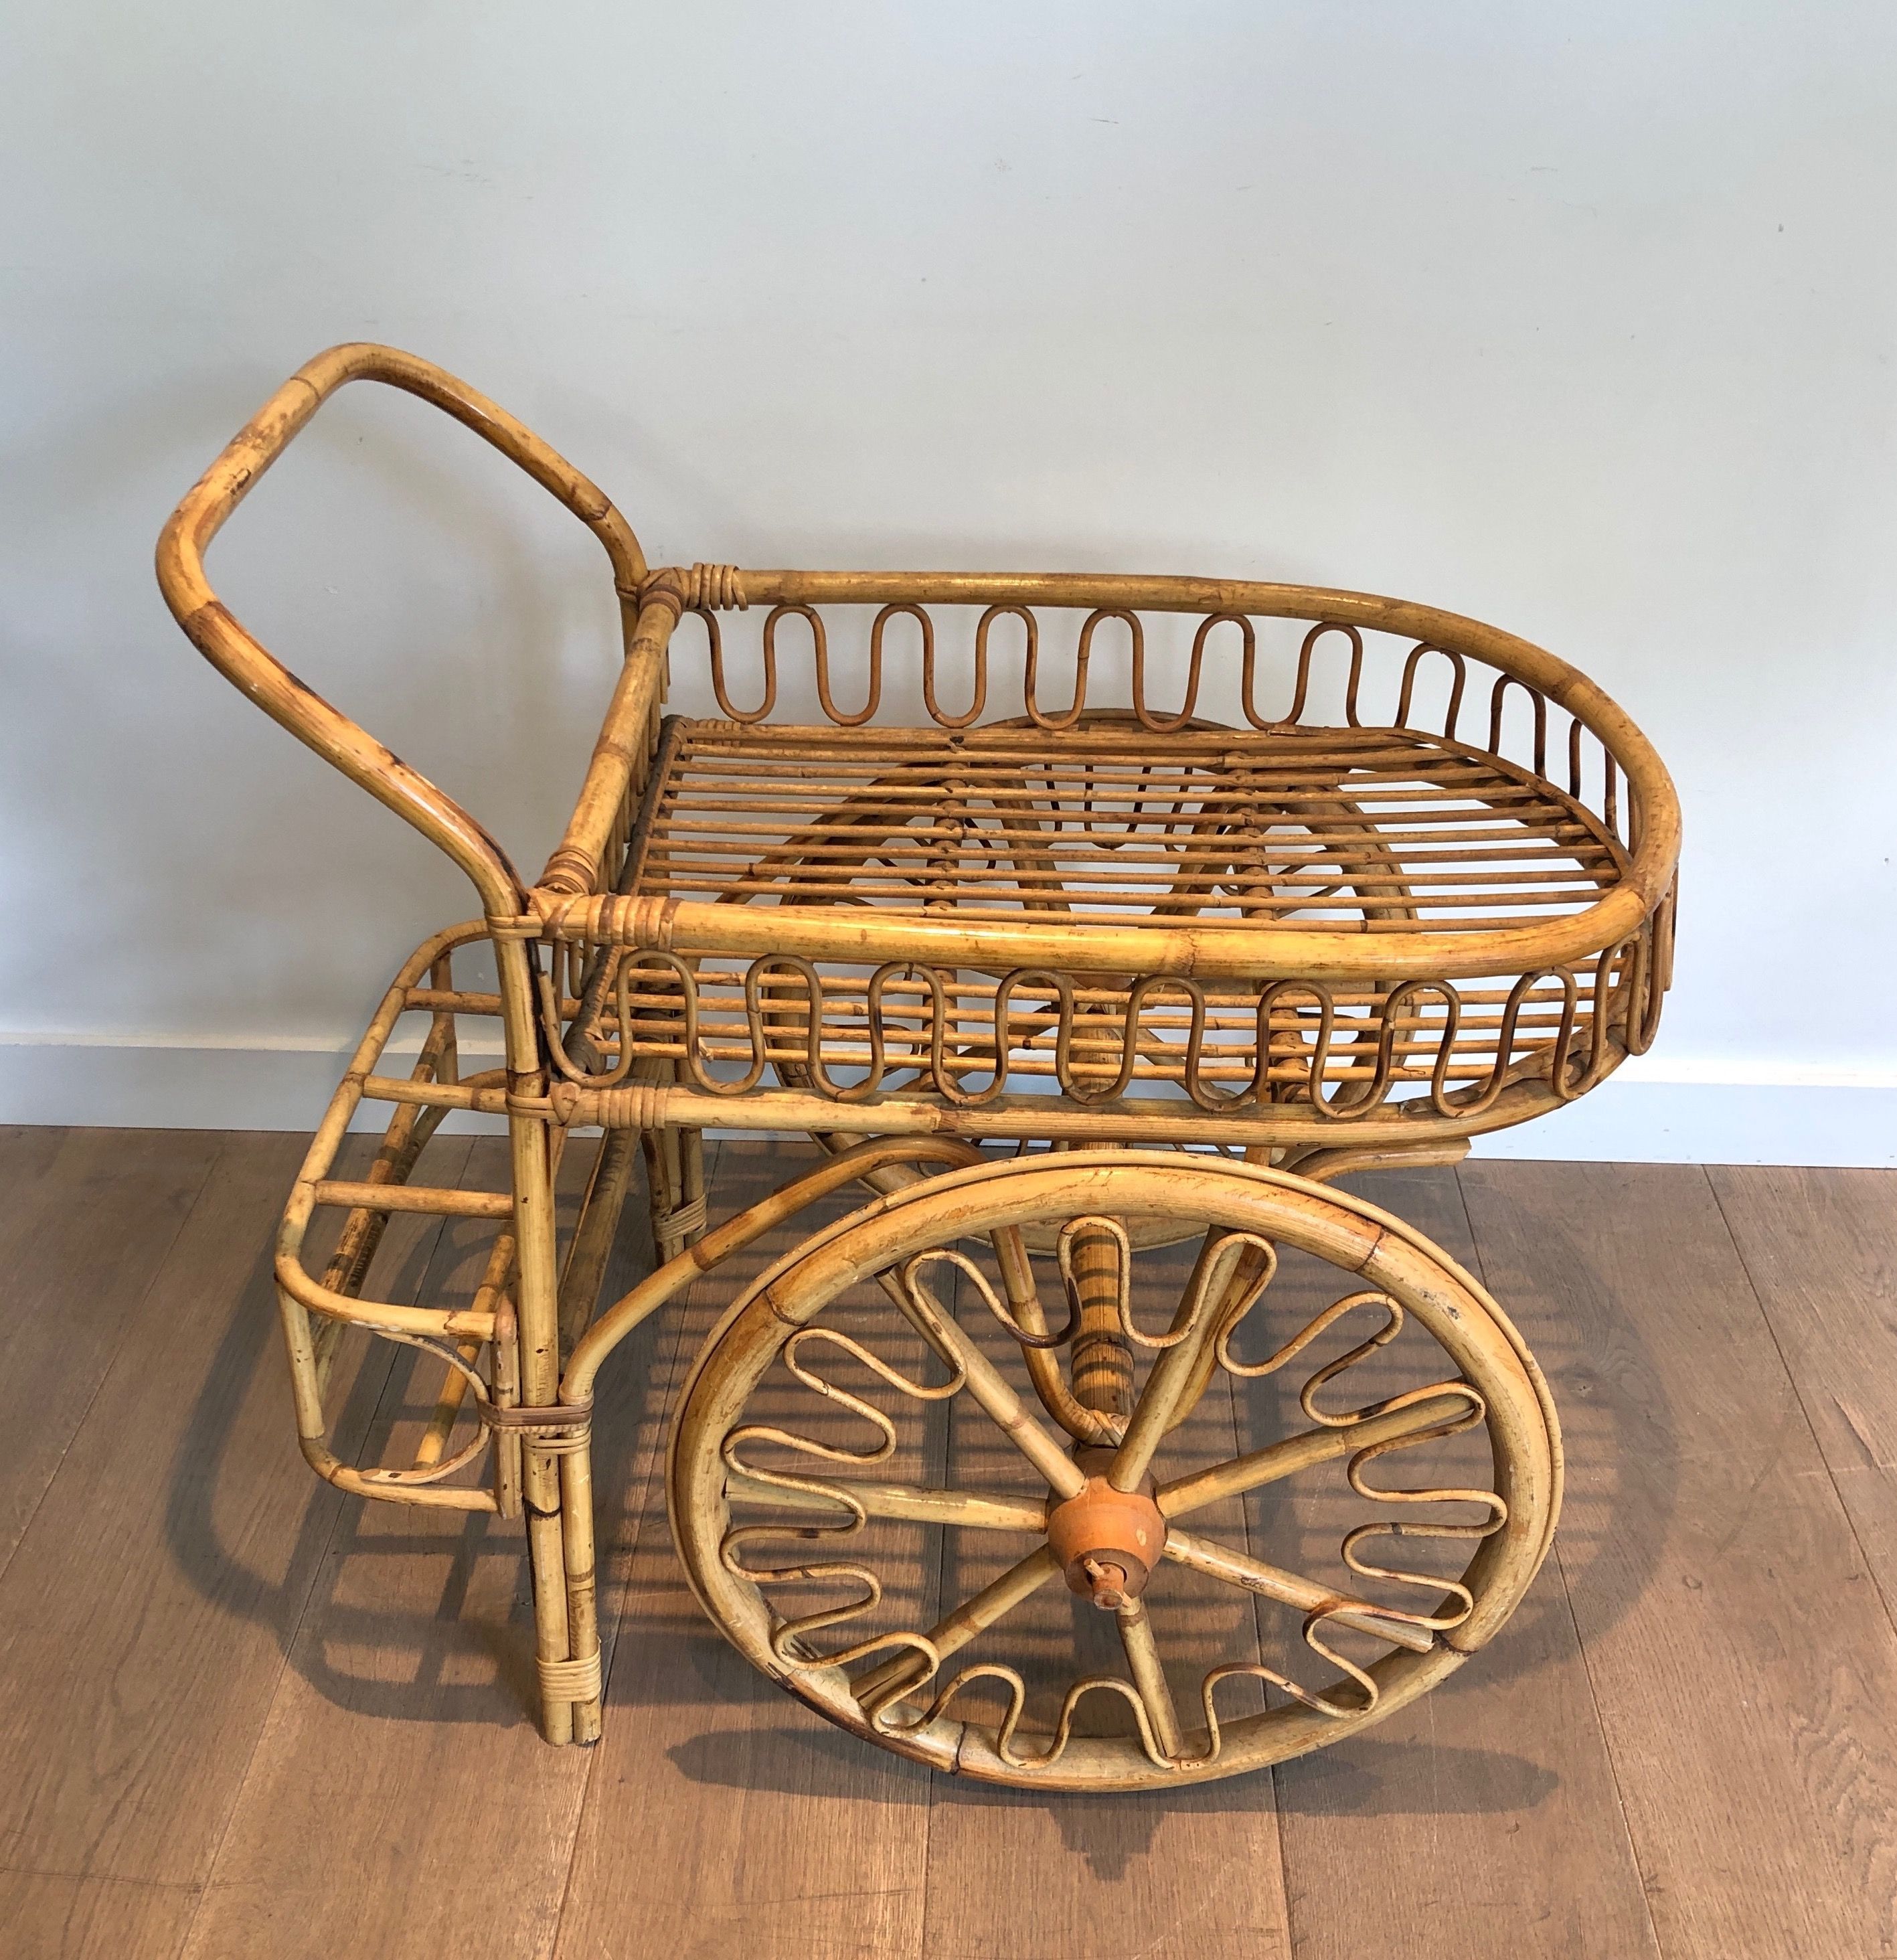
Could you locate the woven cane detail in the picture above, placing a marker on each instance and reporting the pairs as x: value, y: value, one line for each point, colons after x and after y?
x: 562, y: 1430
x: 633, y: 1106
x: 570, y: 1680
x: 715, y: 588
x: 682, y: 1223
x: 602, y: 919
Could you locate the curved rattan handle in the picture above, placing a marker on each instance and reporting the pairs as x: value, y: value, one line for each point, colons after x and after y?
x: 250, y: 667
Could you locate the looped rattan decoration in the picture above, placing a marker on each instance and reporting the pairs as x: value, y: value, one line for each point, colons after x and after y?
x: 903, y: 1697
x: 1342, y: 1055
x: 926, y: 864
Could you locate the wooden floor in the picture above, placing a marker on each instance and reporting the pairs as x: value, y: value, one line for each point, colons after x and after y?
x: 242, y: 1715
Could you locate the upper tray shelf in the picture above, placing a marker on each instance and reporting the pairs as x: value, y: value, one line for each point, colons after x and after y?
x: 1365, y: 829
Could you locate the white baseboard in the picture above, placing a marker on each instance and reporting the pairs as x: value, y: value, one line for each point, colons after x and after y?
x: 178, y: 1085
x: 152, y: 1087
x: 1636, y: 1121
x: 1653, y: 1111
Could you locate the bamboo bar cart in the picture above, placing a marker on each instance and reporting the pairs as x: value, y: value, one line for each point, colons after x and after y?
x: 1104, y: 1445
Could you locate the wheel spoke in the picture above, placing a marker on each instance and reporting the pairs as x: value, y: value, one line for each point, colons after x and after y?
x: 1289, y: 1589
x: 953, y: 1632
x: 1149, y: 1674
x: 987, y: 1384
x: 1203, y: 1310
x: 1291, y: 1454
x: 907, y: 1501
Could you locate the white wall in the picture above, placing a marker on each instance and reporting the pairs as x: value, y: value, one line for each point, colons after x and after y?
x: 1577, y: 318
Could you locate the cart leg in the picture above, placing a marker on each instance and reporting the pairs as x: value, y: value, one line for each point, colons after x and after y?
x: 579, y: 1293
x: 692, y: 1184
x: 582, y: 1603
x: 675, y: 1180
x: 549, y: 1611
x: 659, y: 1197
x: 538, y: 1304
x: 592, y: 1239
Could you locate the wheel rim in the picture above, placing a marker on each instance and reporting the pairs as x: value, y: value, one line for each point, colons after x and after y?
x: 797, y: 1469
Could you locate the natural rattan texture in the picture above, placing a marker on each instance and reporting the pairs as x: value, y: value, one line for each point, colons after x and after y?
x: 1406, y: 833
x: 944, y: 874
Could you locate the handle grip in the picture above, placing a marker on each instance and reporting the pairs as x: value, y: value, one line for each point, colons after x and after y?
x: 248, y: 665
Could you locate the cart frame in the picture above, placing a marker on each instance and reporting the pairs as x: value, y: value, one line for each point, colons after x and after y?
x: 1100, y: 996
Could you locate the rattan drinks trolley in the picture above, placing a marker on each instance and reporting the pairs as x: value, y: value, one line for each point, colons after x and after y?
x: 1104, y: 1445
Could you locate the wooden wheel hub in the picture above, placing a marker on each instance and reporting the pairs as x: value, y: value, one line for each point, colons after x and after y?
x: 1108, y: 1542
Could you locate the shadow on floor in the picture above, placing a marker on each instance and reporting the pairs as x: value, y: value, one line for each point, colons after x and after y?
x: 386, y: 1609
x: 426, y: 1617
x: 1113, y: 1833
x: 1332, y: 1783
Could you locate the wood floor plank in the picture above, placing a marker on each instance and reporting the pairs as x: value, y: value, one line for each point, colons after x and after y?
x: 724, y: 1820
x: 170, y: 1781
x: 55, y: 1916
x: 26, y: 1151
x: 1487, y: 1811
x: 400, y: 1801
x: 1745, y: 1670
x: 1191, y: 1874
x: 1821, y: 1249
x: 80, y: 1246
x: 143, y: 1621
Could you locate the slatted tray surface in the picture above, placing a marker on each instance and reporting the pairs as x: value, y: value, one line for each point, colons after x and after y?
x: 1378, y: 829
x: 1387, y: 830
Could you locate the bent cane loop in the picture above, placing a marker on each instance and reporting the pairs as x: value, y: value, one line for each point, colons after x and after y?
x: 1205, y: 1314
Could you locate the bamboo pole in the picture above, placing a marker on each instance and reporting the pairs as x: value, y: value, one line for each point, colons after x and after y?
x: 1144, y: 1663
x: 592, y: 1242
x: 1288, y: 1588
x: 955, y: 1630
x: 969, y: 1509
x: 1291, y: 1455
x: 439, y: 1201
x: 243, y: 660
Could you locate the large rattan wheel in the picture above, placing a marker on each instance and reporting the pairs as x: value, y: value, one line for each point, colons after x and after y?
x: 1119, y: 1517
